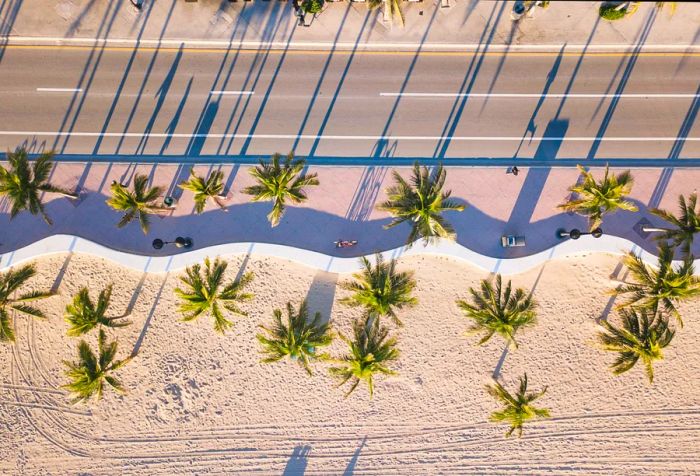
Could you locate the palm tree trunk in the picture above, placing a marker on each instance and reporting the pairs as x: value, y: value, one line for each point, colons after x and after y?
x: 652, y: 229
x: 623, y: 6
x: 620, y: 281
x: 68, y: 195
x: 126, y: 314
x: 160, y: 210
x: 386, y: 10
x: 219, y: 200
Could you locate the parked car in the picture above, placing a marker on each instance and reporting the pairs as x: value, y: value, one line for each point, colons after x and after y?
x: 511, y: 241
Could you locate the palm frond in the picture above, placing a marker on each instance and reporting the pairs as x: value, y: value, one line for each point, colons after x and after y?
x: 83, y: 315
x: 11, y: 298
x: 139, y: 203
x: 421, y: 203
x: 686, y: 224
x: 278, y: 183
x: 381, y: 289
x: 595, y: 199
x: 297, y: 339
x: 518, y: 408
x: 663, y: 287
x: 498, y: 311
x: 369, y: 354
x: 205, y: 189
x: 23, y: 184
x: 204, y: 292
x: 88, y: 374
x: 642, y: 336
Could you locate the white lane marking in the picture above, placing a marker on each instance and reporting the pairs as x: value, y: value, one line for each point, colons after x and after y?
x: 338, y: 137
x: 534, y: 95
x: 233, y: 93
x: 59, y: 90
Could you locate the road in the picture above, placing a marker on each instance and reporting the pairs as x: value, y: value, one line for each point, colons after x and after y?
x: 204, y: 105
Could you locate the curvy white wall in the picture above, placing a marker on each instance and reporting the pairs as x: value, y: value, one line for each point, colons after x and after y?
x: 68, y: 243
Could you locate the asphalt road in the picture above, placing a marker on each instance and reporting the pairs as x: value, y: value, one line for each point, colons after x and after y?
x: 202, y: 104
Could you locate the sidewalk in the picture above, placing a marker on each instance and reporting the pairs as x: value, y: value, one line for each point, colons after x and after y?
x: 464, y: 25
x: 343, y: 206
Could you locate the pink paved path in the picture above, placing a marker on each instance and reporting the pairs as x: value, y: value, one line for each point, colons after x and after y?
x: 343, y: 206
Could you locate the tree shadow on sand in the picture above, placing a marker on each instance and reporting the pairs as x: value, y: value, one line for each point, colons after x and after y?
x: 296, y: 466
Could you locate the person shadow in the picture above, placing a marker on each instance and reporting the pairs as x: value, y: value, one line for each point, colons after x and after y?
x: 296, y: 466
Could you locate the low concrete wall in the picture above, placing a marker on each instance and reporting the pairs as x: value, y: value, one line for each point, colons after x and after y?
x: 68, y: 243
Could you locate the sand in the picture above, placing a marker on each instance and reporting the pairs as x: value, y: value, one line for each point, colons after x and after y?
x: 201, y: 403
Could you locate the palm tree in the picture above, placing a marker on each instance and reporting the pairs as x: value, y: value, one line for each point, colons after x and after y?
x: 83, y: 315
x: 671, y: 6
x: 370, y: 352
x: 137, y: 204
x: 23, y: 184
x: 499, y: 311
x: 278, y: 183
x: 642, y: 335
x: 421, y: 203
x: 89, y: 374
x: 380, y: 289
x: 612, y: 11
x: 206, y: 293
x: 594, y: 199
x: 687, y: 224
x: 297, y: 339
x: 205, y: 189
x: 518, y: 409
x: 663, y: 287
x: 392, y: 9
x: 10, y: 283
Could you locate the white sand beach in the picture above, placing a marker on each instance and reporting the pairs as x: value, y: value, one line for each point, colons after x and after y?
x: 202, y: 403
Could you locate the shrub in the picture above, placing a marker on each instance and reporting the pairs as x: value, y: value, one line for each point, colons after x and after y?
x: 312, y: 6
x: 611, y: 13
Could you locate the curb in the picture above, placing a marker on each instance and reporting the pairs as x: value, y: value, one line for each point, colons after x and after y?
x: 325, y: 161
x: 126, y: 43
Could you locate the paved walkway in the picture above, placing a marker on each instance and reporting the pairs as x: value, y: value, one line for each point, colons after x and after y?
x: 345, y: 24
x: 343, y: 206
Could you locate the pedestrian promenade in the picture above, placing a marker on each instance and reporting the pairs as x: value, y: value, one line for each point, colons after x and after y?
x: 341, y: 207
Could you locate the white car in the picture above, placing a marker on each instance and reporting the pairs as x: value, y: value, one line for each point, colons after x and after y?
x: 511, y: 241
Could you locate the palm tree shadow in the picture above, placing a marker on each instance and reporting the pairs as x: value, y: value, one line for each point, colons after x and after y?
x: 615, y: 275
x: 350, y: 469
x: 535, y: 181
x: 321, y: 294
x: 674, y: 154
x: 9, y: 9
x: 631, y: 62
x: 473, y: 67
x: 296, y: 465
x: 139, y: 341
x: 366, y: 193
x: 244, y: 263
x: 135, y: 295
x: 64, y: 267
x: 504, y: 354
